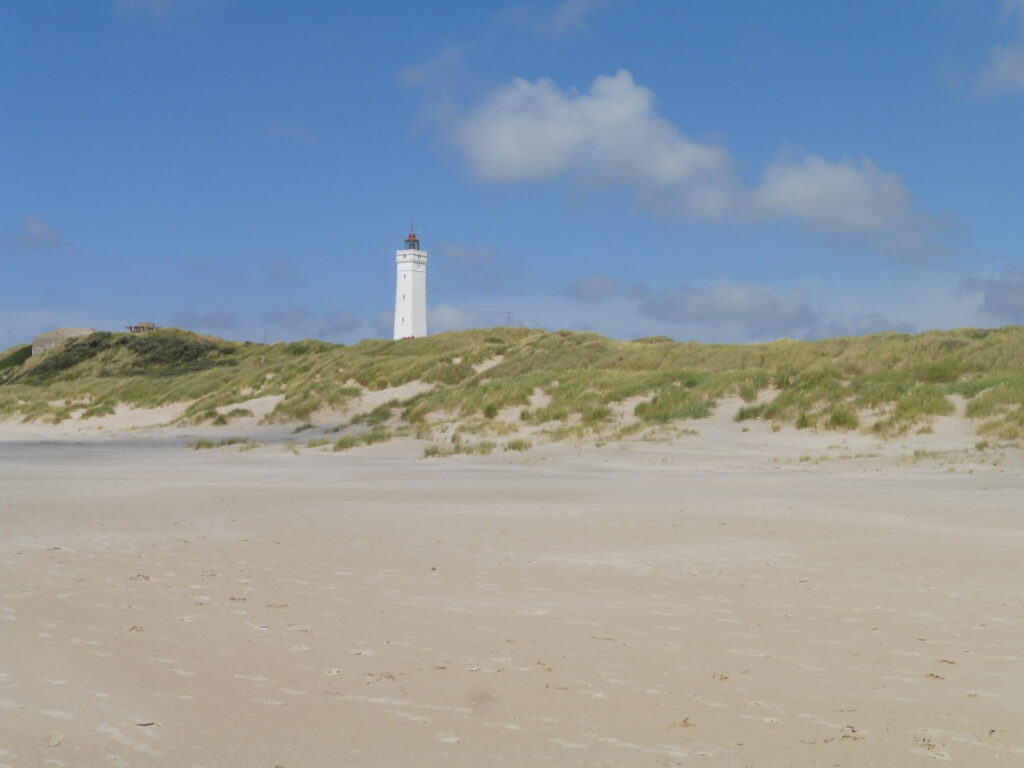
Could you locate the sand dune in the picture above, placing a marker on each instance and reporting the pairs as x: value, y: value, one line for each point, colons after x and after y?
x: 728, y: 598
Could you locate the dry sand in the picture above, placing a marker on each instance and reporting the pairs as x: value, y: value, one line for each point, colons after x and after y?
x: 733, y: 598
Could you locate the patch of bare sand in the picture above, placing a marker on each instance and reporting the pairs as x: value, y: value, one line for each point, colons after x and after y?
x: 123, y: 419
x: 373, y: 398
x: 643, y: 606
x: 624, y: 412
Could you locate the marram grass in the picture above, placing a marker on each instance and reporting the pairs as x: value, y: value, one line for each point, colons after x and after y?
x: 572, y: 383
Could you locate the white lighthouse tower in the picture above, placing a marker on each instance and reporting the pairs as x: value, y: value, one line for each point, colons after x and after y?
x: 411, y: 290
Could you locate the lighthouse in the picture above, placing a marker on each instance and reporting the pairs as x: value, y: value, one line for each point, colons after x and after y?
x: 411, y: 290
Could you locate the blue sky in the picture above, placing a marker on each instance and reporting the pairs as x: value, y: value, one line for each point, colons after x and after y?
x: 721, y: 171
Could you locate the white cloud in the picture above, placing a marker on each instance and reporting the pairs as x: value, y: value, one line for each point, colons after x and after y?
x: 36, y: 233
x: 445, y: 317
x: 858, y: 325
x: 840, y: 197
x: 472, y: 256
x: 724, y: 312
x: 1002, y: 298
x: 758, y: 309
x: 1005, y: 71
x: 570, y: 16
x: 721, y: 313
x: 600, y: 287
x: 851, y: 201
x: 534, y: 130
x: 436, y: 72
x: 472, y: 270
x: 335, y: 325
x: 554, y: 21
x: 295, y: 317
x: 593, y: 288
x: 384, y: 324
x: 340, y: 322
x: 613, y: 134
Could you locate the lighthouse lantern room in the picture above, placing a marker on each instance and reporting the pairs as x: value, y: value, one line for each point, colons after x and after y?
x: 411, y: 290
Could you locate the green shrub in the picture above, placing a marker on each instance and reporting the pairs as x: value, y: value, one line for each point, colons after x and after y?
x: 592, y: 416
x: 167, y: 353
x: 104, y: 407
x: 345, y: 442
x: 842, y: 417
x: 378, y: 415
x: 482, y: 448
x: 749, y: 412
x: 676, y: 403
x: 15, y: 357
x: 204, y: 443
x: 375, y: 435
x: 68, y: 355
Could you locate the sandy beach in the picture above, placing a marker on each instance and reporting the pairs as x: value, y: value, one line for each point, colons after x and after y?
x: 736, y: 597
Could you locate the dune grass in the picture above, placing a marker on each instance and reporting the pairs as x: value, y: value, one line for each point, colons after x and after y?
x: 202, y: 443
x: 464, y: 448
x: 571, y: 383
x: 14, y: 358
x: 375, y: 435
